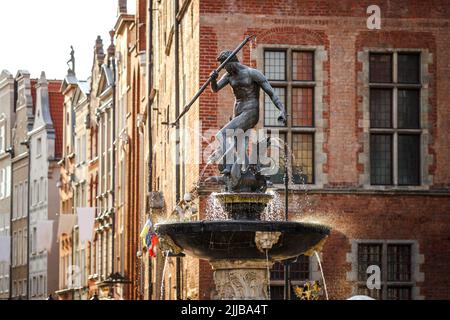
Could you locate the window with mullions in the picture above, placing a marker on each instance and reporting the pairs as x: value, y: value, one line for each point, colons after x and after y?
x: 299, y: 273
x: 396, y: 280
x: 291, y: 74
x: 395, y: 130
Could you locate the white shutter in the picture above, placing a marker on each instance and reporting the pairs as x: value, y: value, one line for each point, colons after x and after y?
x: 2, y: 138
x: 2, y: 183
x: 8, y: 181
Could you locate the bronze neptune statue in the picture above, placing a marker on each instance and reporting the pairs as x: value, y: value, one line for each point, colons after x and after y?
x: 246, y: 83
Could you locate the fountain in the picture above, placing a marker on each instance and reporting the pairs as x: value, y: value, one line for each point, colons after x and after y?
x: 242, y: 247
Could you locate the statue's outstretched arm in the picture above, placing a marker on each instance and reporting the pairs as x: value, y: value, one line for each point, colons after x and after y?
x: 218, y: 85
x: 265, y: 85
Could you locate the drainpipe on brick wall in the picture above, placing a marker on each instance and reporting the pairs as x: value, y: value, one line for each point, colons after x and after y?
x: 177, y: 139
x: 149, y: 126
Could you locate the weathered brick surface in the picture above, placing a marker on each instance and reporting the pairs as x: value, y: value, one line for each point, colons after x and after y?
x: 383, y: 217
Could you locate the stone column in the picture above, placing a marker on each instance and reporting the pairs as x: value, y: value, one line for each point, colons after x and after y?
x: 241, y: 279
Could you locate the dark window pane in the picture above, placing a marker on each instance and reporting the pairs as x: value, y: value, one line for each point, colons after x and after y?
x: 374, y: 293
x: 275, y: 65
x: 271, y: 113
x: 399, y: 293
x: 277, y: 271
x: 408, y: 159
x: 408, y: 109
x: 380, y: 70
x: 300, y: 269
x: 302, y: 65
x: 276, y: 292
x: 303, y: 152
x: 399, y: 262
x: 408, y: 68
x: 302, y: 107
x: 368, y: 254
x: 381, y: 159
x: 381, y: 108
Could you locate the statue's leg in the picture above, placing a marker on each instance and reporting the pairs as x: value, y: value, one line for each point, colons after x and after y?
x: 243, y: 121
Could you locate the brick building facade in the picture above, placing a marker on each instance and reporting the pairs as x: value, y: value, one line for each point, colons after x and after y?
x: 368, y: 126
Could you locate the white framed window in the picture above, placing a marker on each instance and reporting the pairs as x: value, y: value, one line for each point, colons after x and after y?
x: 33, y: 240
x: 7, y: 181
x: 38, y: 147
x: 19, y: 288
x: 42, y: 192
x: 15, y: 195
x: 25, y: 246
x: 41, y: 285
x: 14, y: 262
x: 19, y: 201
x: 25, y: 199
x: 2, y: 183
x: 83, y: 148
x: 33, y: 287
x: 20, y: 248
x: 35, y: 194
x: 25, y: 288
x: 2, y: 137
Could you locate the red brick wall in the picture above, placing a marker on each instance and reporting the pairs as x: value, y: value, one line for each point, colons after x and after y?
x: 342, y: 8
x: 393, y: 217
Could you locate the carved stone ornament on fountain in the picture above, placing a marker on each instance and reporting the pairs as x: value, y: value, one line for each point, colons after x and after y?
x: 241, y: 280
x: 167, y: 244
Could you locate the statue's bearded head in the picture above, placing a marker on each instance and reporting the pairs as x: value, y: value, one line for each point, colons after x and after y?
x: 230, y: 66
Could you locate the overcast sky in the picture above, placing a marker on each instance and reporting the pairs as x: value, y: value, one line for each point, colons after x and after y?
x: 36, y: 35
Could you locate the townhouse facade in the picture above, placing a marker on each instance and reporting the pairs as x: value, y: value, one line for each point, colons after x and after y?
x: 7, y: 117
x: 24, y: 108
x: 131, y: 141
x: 45, y: 143
x: 67, y: 283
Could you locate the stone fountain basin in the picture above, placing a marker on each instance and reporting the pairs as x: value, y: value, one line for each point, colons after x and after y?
x: 230, y: 239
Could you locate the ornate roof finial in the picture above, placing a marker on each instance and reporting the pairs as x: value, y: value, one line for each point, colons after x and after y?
x: 99, y: 53
x: 42, y: 79
x: 112, y: 47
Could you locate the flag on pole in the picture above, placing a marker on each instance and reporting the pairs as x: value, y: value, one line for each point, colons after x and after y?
x: 149, y: 238
x: 5, y: 247
x: 145, y: 233
x: 44, y: 235
x: 86, y: 219
x: 154, y: 242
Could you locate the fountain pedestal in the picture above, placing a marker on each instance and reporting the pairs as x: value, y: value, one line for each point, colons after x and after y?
x: 241, y: 279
